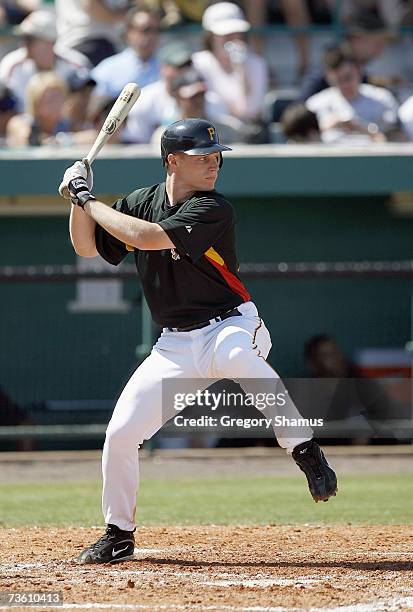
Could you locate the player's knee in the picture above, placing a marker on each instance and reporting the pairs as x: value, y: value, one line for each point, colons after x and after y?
x: 119, y: 438
x: 234, y: 361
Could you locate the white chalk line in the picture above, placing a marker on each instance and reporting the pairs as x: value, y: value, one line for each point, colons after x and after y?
x: 388, y: 553
x: 249, y: 581
x: 153, y: 551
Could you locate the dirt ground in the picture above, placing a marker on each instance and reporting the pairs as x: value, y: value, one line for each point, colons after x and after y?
x: 272, y: 568
x: 275, y: 568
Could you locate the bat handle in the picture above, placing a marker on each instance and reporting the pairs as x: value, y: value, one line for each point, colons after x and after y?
x: 87, y: 163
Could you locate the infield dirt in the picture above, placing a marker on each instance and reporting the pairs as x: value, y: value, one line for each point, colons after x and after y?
x: 220, y: 568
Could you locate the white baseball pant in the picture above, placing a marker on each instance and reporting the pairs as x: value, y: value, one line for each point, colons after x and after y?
x: 235, y: 348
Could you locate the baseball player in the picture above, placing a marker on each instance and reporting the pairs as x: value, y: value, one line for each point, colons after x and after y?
x: 181, y: 232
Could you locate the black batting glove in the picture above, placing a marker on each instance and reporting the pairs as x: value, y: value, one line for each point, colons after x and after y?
x: 79, y: 192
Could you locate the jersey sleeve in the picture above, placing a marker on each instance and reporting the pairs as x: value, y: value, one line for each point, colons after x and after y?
x: 194, y: 230
x: 110, y: 248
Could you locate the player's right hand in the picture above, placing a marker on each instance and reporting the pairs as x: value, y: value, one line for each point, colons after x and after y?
x: 80, y: 169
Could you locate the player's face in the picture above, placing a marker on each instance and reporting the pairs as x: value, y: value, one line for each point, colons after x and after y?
x: 199, y: 172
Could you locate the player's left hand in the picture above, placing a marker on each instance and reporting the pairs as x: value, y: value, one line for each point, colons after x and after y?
x: 80, y: 169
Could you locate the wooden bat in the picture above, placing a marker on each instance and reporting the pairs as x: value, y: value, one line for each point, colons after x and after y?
x: 117, y: 114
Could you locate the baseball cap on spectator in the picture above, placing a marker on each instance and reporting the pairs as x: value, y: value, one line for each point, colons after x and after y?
x: 188, y: 84
x: 39, y: 24
x: 224, y: 18
x: 79, y: 79
x: 175, y: 54
x: 7, y: 100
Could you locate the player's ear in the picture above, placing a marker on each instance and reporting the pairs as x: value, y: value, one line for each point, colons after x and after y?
x: 171, y: 161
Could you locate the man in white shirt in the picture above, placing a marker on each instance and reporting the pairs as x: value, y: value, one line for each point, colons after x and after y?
x: 137, y: 63
x: 351, y: 111
x: 190, y: 92
x: 38, y: 32
x: 157, y: 103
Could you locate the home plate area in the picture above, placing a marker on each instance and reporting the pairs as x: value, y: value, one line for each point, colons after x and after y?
x: 262, y: 568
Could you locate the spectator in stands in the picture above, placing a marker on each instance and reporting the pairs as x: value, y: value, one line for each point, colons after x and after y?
x: 8, y: 108
x: 46, y: 95
x: 300, y: 125
x: 386, y: 57
x: 38, y: 32
x: 137, y: 63
x: 81, y: 85
x: 157, y: 106
x: 91, y: 27
x: 189, y: 90
x: 349, y: 395
x: 324, y: 358
x: 230, y: 68
x: 365, y: 39
x: 349, y: 110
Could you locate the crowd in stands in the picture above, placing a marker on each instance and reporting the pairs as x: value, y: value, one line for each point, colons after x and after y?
x: 69, y: 60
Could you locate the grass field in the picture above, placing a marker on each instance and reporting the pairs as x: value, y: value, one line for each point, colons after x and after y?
x: 372, y: 499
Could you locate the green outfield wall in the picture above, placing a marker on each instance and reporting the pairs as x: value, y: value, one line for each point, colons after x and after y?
x: 259, y: 170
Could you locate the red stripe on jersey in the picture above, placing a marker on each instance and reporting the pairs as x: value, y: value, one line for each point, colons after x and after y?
x: 233, y: 281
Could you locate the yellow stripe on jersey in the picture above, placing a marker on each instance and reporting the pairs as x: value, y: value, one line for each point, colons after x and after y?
x: 211, y: 252
x: 129, y: 247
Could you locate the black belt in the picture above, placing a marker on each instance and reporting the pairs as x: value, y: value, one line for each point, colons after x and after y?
x: 186, y: 328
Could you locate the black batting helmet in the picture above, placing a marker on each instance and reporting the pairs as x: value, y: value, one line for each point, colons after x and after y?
x: 191, y: 136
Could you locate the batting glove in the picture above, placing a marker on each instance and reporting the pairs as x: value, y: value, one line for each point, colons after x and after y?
x: 79, y: 191
x: 80, y: 169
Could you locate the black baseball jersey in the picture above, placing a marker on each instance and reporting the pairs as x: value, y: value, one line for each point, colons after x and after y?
x: 195, y: 281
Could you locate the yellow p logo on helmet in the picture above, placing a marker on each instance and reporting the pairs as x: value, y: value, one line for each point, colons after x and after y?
x: 211, y: 132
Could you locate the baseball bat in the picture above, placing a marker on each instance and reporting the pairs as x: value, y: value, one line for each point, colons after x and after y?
x: 117, y: 114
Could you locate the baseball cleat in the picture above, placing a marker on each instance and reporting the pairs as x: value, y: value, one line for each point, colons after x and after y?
x: 321, y: 478
x: 114, y: 546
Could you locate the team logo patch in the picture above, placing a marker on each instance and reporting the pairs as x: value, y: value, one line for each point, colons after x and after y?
x: 211, y: 132
x: 174, y: 254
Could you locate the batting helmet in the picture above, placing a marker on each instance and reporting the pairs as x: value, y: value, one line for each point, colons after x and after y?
x: 191, y: 136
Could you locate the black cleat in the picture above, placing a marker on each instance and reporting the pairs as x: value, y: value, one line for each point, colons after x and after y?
x: 115, y: 545
x: 321, y: 478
